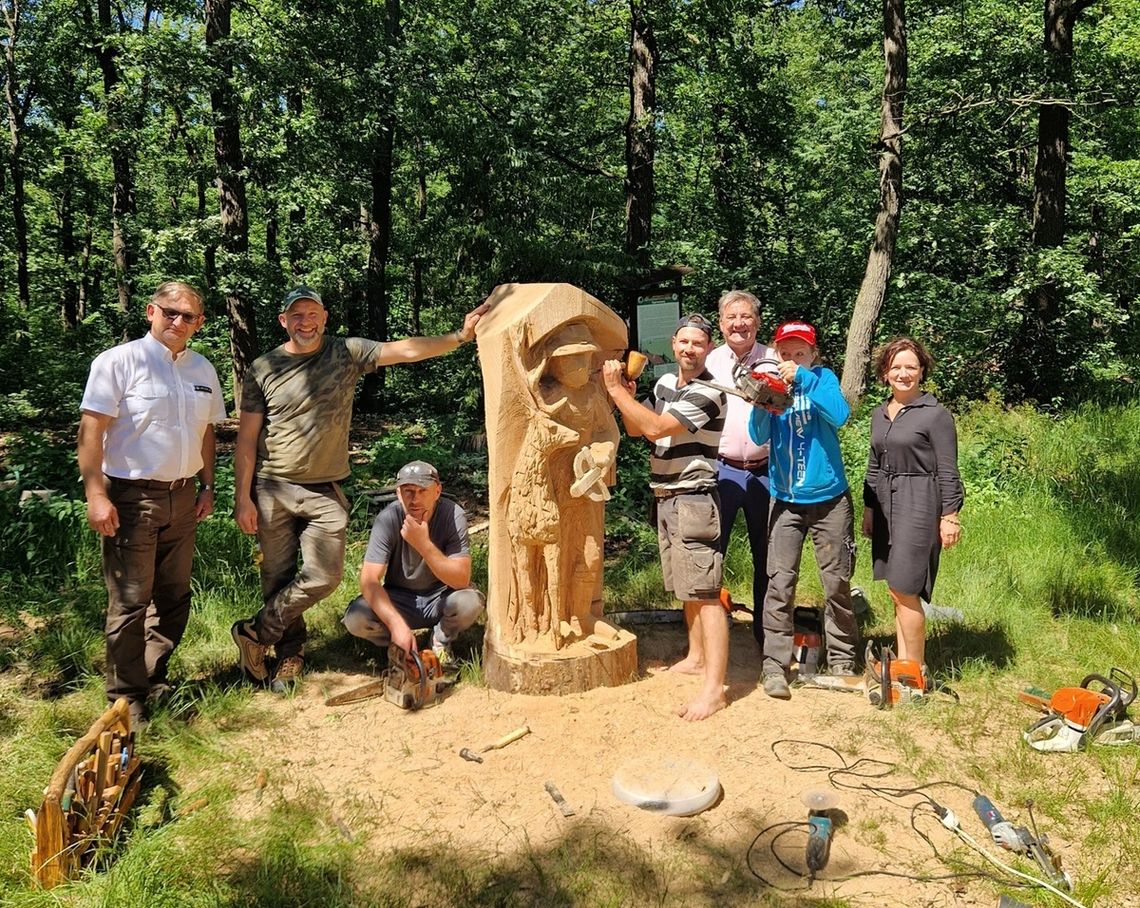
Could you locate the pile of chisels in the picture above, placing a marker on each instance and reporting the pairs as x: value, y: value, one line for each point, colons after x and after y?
x: 87, y: 799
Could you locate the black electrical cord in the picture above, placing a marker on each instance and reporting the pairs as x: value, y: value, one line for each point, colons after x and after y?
x: 865, y: 768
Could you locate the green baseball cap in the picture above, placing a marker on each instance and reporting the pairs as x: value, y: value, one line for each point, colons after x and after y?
x: 301, y: 293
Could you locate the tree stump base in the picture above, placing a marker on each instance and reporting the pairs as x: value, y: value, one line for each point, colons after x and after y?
x: 594, y: 661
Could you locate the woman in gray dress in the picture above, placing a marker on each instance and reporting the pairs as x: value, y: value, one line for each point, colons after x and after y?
x: 913, y: 492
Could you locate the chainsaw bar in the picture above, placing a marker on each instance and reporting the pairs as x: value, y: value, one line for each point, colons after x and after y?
x: 364, y: 692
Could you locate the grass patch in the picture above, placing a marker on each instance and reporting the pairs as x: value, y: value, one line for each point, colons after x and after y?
x: 1047, y: 578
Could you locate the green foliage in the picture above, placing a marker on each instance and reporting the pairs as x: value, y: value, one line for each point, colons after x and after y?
x: 507, y: 163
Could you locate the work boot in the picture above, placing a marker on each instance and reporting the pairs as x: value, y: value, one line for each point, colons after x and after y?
x: 288, y: 674
x: 137, y: 712
x: 776, y: 686
x: 251, y: 654
x: 841, y: 669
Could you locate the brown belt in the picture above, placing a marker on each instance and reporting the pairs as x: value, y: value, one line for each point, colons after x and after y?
x: 744, y: 464
x: 162, y: 485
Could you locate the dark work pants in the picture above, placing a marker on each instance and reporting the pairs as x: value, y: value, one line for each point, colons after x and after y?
x: 831, y: 525
x: 146, y: 566
x: 747, y: 490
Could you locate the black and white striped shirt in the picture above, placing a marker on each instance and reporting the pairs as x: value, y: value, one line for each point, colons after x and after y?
x: 687, y: 462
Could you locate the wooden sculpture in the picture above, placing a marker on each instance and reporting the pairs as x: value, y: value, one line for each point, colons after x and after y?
x: 552, y: 443
x: 87, y: 799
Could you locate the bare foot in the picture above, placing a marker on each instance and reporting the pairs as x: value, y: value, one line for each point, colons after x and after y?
x: 703, y: 707
x: 688, y: 666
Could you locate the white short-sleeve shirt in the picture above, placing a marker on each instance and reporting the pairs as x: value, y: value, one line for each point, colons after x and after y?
x: 160, y: 404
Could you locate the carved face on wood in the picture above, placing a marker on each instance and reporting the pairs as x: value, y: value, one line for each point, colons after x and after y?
x: 572, y: 370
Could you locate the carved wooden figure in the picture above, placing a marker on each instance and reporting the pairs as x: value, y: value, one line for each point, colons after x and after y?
x: 552, y: 443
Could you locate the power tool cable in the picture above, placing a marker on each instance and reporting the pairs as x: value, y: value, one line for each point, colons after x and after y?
x: 871, y: 768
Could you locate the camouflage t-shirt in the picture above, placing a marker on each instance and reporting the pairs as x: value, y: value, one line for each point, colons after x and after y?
x: 306, y: 399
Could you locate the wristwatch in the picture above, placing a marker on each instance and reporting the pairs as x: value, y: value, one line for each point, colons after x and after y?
x: 205, y: 487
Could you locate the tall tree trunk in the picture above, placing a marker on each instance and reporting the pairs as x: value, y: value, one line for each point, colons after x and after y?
x: 194, y: 157
x: 1049, y: 174
x: 17, y: 110
x: 296, y: 245
x: 376, y: 303
x: 120, y: 139
x: 231, y: 192
x: 873, y: 290
x: 1036, y: 364
x: 640, y: 134
x: 421, y: 221
x: 69, y: 297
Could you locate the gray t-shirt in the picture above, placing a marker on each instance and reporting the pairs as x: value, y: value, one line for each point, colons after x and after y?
x: 406, y: 567
x: 306, y: 399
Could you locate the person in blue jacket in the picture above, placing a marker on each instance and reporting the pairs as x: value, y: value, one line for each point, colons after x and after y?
x: 810, y: 495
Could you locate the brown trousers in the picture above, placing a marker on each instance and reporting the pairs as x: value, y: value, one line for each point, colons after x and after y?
x: 146, y: 567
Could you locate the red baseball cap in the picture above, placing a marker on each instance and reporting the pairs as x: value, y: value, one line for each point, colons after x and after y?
x: 795, y: 331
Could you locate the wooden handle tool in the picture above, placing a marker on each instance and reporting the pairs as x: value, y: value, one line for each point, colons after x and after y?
x: 521, y: 732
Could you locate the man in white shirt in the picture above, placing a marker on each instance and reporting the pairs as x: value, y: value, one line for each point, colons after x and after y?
x: 146, y: 455
x: 742, y: 466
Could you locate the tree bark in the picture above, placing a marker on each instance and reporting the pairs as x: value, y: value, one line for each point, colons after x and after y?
x: 230, y: 182
x: 873, y: 290
x: 69, y: 297
x: 1035, y: 366
x: 296, y: 250
x: 123, y: 188
x: 17, y: 111
x: 640, y: 136
x: 1050, y: 171
x: 376, y: 304
x: 421, y: 221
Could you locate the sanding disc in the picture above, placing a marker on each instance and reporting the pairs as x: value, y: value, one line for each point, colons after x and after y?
x: 674, y: 786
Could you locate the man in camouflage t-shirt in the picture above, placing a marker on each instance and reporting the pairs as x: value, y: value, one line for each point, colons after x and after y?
x: 291, y: 456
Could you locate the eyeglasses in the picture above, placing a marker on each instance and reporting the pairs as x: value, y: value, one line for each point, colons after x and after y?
x: 173, y: 315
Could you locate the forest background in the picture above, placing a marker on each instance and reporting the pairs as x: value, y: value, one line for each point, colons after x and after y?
x: 407, y: 158
x: 967, y: 171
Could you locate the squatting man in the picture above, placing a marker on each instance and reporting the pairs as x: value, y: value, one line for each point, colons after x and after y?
x: 417, y: 569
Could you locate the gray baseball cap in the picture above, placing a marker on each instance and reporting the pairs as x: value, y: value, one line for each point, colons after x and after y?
x: 300, y: 293
x: 417, y: 473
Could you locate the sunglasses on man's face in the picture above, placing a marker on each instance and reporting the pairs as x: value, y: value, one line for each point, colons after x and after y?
x: 173, y: 315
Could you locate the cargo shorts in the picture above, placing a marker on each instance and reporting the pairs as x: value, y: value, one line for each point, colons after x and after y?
x: 688, y: 536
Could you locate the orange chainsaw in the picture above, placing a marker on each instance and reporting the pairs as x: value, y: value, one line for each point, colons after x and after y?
x: 758, y: 384
x: 412, y: 680
x: 890, y: 680
x: 1096, y: 712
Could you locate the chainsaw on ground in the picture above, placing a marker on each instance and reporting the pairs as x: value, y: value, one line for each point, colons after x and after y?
x: 890, y: 680
x: 759, y: 384
x: 411, y: 681
x: 1075, y: 717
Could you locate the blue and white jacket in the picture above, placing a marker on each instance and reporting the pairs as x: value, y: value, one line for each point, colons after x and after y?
x: 805, y: 464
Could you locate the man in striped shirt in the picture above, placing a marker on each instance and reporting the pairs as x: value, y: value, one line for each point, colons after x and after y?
x: 684, y: 421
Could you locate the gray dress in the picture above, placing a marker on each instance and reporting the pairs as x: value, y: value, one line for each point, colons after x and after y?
x: 912, y: 480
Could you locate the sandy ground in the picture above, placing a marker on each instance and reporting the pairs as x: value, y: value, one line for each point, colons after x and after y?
x: 395, y: 777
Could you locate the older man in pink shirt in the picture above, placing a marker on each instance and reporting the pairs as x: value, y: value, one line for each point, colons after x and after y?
x: 742, y: 468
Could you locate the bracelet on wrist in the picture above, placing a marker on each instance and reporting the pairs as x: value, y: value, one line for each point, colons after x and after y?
x: 952, y: 520
x: 205, y: 487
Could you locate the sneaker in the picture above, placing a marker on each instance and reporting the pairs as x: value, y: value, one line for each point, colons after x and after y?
x: 288, y: 674
x: 251, y: 654
x: 776, y: 686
